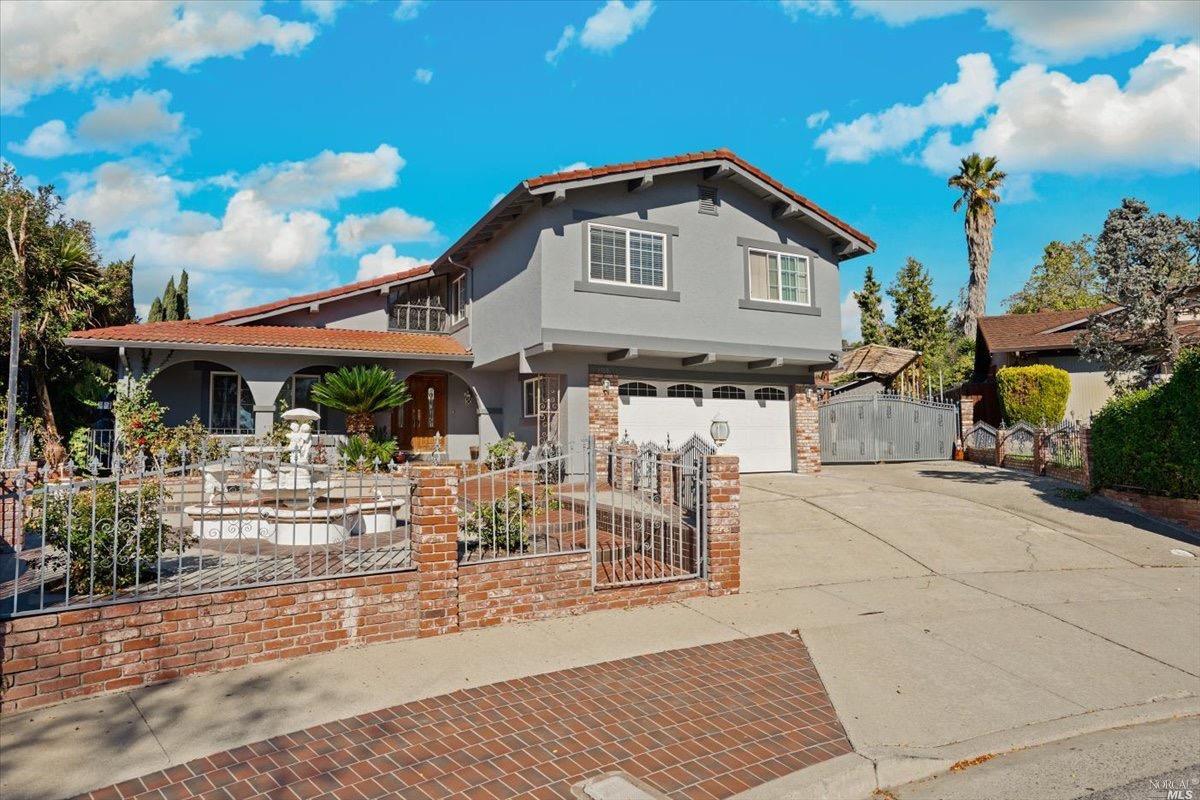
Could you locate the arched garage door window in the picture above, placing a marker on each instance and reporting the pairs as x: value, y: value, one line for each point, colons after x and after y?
x: 636, y: 389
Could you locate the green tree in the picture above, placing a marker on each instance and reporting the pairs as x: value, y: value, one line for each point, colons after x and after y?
x: 1149, y: 266
x: 1065, y: 279
x: 182, y: 294
x: 919, y: 323
x: 360, y: 392
x: 979, y: 182
x: 870, y: 306
x: 156, y: 311
x: 50, y: 270
x: 172, y: 305
x: 170, y: 301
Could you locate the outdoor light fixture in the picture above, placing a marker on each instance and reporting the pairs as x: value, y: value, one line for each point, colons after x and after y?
x: 719, y: 430
x: 607, y: 384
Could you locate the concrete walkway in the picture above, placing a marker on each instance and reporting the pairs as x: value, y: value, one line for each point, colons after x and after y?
x: 951, y: 610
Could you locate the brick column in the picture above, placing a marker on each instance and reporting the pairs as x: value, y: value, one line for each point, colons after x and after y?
x: 624, y: 466
x: 1085, y: 455
x: 806, y: 431
x: 668, y: 462
x: 434, y: 535
x: 722, y: 506
x: 14, y: 508
x: 1039, y: 454
x: 966, y: 408
x: 1001, y: 434
x: 602, y: 415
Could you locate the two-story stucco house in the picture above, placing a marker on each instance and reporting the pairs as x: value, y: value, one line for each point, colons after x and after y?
x: 640, y: 298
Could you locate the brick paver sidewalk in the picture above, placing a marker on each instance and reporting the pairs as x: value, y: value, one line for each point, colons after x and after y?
x: 703, y: 722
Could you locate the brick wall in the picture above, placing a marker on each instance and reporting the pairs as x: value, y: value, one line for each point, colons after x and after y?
x: 806, y: 430
x: 57, y: 656
x: 1180, y: 510
x: 54, y: 657
x: 12, y: 515
x: 602, y: 415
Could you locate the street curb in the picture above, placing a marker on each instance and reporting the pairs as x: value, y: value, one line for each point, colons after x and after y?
x: 855, y: 776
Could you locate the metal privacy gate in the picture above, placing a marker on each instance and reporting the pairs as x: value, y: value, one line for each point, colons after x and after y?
x: 885, y: 427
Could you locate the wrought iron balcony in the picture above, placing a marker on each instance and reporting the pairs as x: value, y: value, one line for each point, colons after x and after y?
x: 426, y: 319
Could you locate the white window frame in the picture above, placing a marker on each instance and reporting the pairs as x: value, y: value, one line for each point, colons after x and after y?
x: 662, y: 237
x: 526, y: 411
x: 456, y: 299
x: 779, y: 256
x: 238, y: 403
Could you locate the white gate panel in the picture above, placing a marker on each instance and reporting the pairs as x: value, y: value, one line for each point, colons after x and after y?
x: 760, y: 431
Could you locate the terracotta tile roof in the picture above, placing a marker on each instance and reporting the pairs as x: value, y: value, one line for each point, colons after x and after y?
x: 312, y: 297
x: 874, y: 359
x: 1009, y: 332
x: 276, y: 336
x: 690, y: 158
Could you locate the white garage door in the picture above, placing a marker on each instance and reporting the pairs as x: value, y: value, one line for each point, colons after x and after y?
x: 760, y: 428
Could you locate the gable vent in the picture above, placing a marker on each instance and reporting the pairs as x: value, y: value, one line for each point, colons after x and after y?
x: 708, y: 200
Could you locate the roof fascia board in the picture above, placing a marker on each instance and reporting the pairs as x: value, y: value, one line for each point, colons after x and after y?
x: 1079, y: 321
x: 266, y: 349
x: 313, y: 305
x: 501, y: 206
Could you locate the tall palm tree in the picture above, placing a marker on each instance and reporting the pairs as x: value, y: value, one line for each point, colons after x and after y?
x: 979, y: 181
x: 360, y: 392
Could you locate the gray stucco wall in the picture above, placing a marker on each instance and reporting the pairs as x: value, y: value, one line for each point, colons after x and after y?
x: 708, y: 269
x: 364, y: 312
x: 505, y: 288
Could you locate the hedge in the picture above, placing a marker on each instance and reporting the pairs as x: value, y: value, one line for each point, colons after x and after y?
x: 1035, y: 394
x: 1150, y: 439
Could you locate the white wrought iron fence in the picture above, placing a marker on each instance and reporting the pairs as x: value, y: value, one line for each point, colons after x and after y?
x: 157, y: 527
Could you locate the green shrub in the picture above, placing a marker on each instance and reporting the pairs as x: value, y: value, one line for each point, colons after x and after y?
x: 504, y: 453
x: 500, y: 524
x: 1036, y: 394
x: 361, y: 452
x: 120, y: 542
x: 1150, y: 438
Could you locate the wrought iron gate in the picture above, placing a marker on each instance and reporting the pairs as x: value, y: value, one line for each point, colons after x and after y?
x: 885, y: 427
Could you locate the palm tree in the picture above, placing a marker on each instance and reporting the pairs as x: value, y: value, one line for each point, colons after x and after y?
x: 360, y: 392
x: 979, y: 181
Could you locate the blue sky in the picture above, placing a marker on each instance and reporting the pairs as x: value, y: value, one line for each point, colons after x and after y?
x: 284, y: 147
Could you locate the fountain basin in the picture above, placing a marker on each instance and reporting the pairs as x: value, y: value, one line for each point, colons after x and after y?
x: 229, y: 522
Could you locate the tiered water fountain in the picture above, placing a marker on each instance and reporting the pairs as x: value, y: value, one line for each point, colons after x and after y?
x: 297, y: 504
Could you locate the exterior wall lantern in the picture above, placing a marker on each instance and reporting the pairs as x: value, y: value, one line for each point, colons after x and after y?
x: 719, y: 430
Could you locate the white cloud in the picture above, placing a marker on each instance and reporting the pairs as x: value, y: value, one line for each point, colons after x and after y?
x: 1043, y: 121
x: 574, y: 165
x: 1018, y: 189
x: 45, y: 45
x: 614, y: 23
x: 852, y: 316
x: 250, y: 236
x: 114, y: 125
x: 564, y: 41
x: 321, y: 181
x: 822, y: 8
x: 48, y: 140
x: 957, y: 103
x: 408, y: 10
x: 384, y: 261
x: 423, y: 75
x: 817, y: 118
x: 357, y: 232
x: 325, y: 11
x: 1060, y: 31
x: 120, y: 195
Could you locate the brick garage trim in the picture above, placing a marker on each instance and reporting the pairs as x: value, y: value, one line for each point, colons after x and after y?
x: 806, y: 431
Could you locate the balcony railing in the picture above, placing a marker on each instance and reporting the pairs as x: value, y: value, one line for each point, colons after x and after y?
x: 427, y: 319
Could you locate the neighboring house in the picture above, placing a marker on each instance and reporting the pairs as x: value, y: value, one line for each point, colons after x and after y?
x: 875, y: 368
x: 1045, y: 337
x: 635, y: 299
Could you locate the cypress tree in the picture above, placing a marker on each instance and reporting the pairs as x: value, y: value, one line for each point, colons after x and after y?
x: 184, y: 311
x: 156, y: 313
x: 170, y: 301
x: 870, y: 304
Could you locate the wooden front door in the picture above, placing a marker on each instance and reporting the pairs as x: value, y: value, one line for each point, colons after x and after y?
x: 424, y: 416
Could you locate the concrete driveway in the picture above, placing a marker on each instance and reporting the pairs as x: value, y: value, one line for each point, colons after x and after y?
x: 950, y: 609
x: 948, y: 602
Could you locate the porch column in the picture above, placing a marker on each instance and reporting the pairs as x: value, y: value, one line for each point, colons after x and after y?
x: 602, y: 415
x: 264, y: 419
x: 806, y: 430
x: 724, y: 518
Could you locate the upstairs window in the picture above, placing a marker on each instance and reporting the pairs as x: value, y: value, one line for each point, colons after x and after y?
x: 779, y: 277
x: 684, y: 390
x: 456, y: 306
x: 635, y: 258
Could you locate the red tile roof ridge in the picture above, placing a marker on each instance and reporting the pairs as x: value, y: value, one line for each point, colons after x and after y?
x: 689, y: 158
